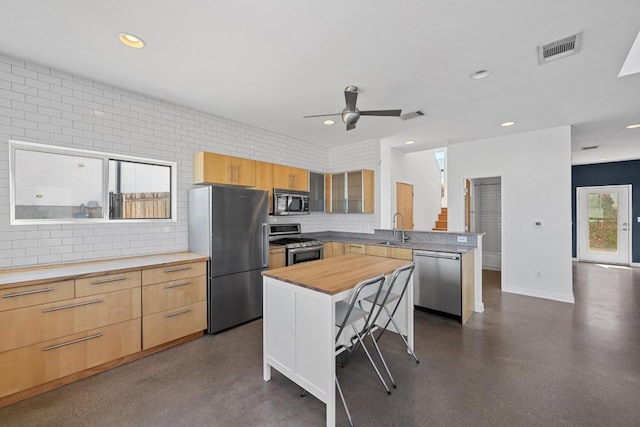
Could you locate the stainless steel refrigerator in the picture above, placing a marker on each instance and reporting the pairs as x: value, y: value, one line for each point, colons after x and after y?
x: 229, y: 225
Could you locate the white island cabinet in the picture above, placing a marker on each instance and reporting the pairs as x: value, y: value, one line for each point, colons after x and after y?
x: 299, y: 318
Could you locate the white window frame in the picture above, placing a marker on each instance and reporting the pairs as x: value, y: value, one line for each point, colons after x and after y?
x: 105, y: 157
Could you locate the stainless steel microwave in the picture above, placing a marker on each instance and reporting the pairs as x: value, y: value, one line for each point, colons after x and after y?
x: 289, y: 202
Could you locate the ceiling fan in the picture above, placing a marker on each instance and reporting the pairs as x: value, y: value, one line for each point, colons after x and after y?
x: 351, y: 115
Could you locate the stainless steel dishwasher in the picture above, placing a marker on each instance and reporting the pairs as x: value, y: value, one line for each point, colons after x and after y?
x: 438, y: 282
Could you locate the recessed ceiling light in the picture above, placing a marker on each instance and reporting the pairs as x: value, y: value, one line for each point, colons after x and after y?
x: 480, y: 74
x: 131, y: 40
x: 507, y: 124
x: 636, y: 126
x: 328, y: 122
x: 602, y: 159
x: 410, y: 142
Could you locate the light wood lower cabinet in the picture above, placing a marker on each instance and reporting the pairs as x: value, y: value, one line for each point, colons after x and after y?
x: 401, y: 253
x: 174, y: 301
x: 169, y: 295
x: 174, y: 272
x: 381, y: 251
x: 333, y: 249
x: 25, y: 296
x: 30, y: 325
x: 172, y: 324
x: 277, y: 258
x: 36, y: 364
x: 56, y: 332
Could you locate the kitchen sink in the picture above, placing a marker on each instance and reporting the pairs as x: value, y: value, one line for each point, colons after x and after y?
x: 393, y: 243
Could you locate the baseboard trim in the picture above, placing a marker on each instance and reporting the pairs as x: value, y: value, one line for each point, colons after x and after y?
x: 539, y: 294
x: 479, y: 307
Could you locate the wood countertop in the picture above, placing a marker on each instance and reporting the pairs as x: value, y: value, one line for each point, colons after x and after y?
x: 58, y: 272
x: 334, y: 275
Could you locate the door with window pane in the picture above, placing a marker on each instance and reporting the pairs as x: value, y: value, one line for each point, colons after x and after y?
x: 604, y: 228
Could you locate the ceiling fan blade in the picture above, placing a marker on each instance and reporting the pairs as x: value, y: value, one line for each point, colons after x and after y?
x: 350, y: 97
x: 349, y: 127
x: 321, y: 115
x: 392, y: 113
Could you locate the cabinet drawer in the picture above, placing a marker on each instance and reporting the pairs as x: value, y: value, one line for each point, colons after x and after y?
x: 169, y: 295
x: 31, y: 325
x: 173, y: 272
x: 376, y: 250
x: 169, y: 325
x: 26, y: 296
x: 37, y: 364
x: 401, y: 253
x: 351, y: 248
x: 107, y: 283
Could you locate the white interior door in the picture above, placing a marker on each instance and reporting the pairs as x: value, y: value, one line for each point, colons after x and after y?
x: 604, y: 228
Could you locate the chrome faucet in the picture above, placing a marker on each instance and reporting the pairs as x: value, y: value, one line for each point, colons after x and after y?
x: 403, y: 237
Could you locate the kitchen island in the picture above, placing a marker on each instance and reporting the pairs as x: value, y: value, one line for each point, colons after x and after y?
x: 299, y: 318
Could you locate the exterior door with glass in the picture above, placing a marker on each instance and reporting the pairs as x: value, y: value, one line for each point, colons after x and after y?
x: 604, y: 228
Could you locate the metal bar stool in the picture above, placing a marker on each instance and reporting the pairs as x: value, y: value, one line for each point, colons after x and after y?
x: 390, y: 296
x: 347, y: 314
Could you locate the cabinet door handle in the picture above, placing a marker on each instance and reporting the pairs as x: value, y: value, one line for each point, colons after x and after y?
x: 115, y: 279
x: 229, y: 179
x: 64, y: 344
x: 80, y: 304
x: 35, y: 291
x: 237, y: 167
x: 178, y: 313
x: 173, y: 270
x: 175, y: 285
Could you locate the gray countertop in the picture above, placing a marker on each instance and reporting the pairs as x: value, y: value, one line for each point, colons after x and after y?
x: 378, y: 241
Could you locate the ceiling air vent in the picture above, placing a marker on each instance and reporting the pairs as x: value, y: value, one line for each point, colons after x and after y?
x: 412, y: 115
x: 559, y: 48
x: 590, y: 147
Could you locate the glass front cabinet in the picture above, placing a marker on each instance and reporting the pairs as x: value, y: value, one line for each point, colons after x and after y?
x: 352, y: 192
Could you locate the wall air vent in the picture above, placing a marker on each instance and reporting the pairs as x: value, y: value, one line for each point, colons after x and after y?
x: 559, y: 48
x: 590, y: 147
x: 412, y: 115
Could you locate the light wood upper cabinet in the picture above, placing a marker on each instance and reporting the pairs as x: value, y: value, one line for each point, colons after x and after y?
x: 213, y: 168
x: 290, y: 178
x: 264, y: 180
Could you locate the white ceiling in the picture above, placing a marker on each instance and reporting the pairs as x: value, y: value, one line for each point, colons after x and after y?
x: 267, y: 63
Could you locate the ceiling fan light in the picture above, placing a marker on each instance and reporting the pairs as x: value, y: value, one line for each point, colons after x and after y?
x: 329, y: 122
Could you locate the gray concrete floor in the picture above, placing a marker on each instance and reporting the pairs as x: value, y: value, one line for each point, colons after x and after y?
x: 524, y: 361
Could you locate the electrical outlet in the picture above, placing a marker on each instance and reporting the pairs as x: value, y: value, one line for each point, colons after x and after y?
x: 462, y: 239
x: 538, y: 274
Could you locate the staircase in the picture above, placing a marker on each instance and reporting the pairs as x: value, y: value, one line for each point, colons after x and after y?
x: 441, y: 223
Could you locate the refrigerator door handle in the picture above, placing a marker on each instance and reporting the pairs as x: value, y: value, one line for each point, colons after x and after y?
x: 265, y: 245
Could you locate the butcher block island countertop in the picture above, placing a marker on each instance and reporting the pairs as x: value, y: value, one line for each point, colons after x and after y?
x: 334, y: 275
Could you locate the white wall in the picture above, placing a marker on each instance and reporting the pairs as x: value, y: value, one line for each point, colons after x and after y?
x: 535, y: 169
x: 422, y: 171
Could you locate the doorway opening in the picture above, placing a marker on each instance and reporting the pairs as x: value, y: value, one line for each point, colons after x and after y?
x: 603, y: 216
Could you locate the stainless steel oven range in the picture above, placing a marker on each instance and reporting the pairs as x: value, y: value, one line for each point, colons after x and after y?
x: 297, y: 249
